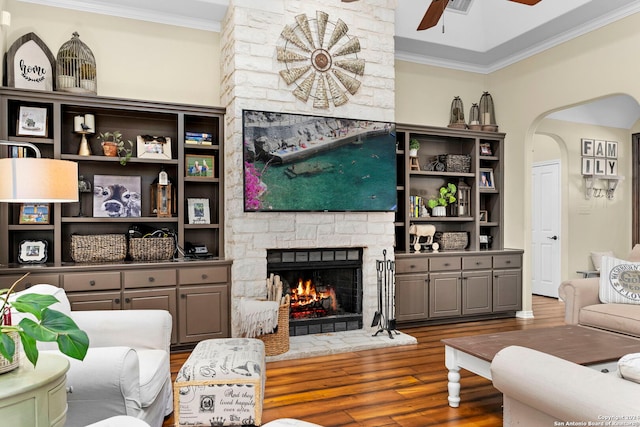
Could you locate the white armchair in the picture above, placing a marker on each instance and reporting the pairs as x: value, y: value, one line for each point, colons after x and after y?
x: 127, y: 368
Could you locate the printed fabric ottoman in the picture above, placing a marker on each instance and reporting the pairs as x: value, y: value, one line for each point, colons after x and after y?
x: 221, y: 384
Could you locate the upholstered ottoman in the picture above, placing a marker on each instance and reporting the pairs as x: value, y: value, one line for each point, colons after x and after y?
x: 221, y: 383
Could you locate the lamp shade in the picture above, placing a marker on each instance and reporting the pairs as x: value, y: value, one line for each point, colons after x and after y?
x: 38, y: 180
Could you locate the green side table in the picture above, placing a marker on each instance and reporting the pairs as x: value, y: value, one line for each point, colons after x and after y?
x: 35, y: 397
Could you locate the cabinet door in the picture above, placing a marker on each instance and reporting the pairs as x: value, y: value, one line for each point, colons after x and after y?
x: 203, y: 313
x: 444, y: 295
x: 154, y: 299
x: 411, y: 297
x: 507, y: 290
x: 476, y: 293
x: 95, y: 300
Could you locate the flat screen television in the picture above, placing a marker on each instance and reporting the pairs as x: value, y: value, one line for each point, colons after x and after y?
x: 305, y: 163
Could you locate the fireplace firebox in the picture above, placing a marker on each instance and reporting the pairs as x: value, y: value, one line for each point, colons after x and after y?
x: 325, y: 286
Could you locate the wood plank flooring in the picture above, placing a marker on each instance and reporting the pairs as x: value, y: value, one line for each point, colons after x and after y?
x: 402, y: 386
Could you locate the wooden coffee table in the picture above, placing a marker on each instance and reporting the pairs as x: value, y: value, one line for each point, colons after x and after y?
x: 584, y: 346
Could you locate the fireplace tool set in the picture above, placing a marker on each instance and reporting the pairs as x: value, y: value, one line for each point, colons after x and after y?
x: 384, y: 318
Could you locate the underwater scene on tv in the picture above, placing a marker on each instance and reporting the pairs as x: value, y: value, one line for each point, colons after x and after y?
x: 296, y: 162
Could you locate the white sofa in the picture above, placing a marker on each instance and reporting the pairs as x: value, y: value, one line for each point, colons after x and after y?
x: 540, y: 390
x: 127, y: 368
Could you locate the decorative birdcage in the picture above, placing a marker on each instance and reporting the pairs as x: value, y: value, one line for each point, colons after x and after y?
x: 487, y: 113
x: 76, y: 67
x: 474, y: 117
x: 456, y: 117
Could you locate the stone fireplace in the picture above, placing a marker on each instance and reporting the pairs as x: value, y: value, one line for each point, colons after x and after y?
x: 249, y: 39
x: 325, y: 286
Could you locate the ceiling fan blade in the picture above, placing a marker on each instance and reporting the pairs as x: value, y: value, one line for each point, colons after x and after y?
x: 433, y: 14
x: 527, y: 2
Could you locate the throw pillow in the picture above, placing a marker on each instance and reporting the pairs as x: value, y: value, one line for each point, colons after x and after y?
x: 619, y: 281
x: 596, y: 258
x: 629, y: 367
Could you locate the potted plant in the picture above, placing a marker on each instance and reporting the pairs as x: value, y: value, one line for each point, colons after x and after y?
x: 49, y: 326
x: 414, y: 146
x: 113, y: 145
x: 446, y: 196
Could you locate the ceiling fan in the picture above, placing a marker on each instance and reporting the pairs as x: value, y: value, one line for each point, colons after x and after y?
x: 437, y: 7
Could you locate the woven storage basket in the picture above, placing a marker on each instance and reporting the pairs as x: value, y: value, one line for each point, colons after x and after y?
x: 98, y: 247
x: 151, y: 248
x: 451, y: 240
x: 278, y: 342
x: 5, y: 365
x: 456, y: 162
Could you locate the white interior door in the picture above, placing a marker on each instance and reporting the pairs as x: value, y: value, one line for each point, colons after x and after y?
x: 545, y: 233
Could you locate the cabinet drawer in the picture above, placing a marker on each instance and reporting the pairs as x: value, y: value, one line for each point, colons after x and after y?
x: 30, y: 280
x: 445, y: 263
x: 195, y: 276
x: 507, y: 261
x: 91, y: 281
x: 147, y: 278
x: 413, y: 265
x: 476, y: 262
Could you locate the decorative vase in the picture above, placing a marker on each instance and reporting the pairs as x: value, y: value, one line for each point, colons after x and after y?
x: 7, y: 366
x: 439, y: 211
x: 110, y: 148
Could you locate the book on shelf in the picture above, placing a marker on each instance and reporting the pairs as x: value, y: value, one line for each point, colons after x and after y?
x: 416, y: 206
x: 198, y: 138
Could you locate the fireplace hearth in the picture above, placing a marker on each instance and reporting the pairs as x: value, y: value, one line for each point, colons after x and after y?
x: 325, y: 286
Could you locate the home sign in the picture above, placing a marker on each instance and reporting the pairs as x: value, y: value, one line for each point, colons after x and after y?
x: 30, y: 64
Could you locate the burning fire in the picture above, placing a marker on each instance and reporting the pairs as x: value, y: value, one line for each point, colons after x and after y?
x: 306, y: 297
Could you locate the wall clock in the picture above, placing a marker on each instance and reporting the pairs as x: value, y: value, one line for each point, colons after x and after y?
x: 321, y: 60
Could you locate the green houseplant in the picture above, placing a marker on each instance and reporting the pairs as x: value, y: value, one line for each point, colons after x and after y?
x: 113, y: 145
x: 414, y: 146
x: 49, y: 326
x: 446, y: 196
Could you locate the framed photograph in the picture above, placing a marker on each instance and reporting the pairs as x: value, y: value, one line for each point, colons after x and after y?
x: 485, y: 149
x: 116, y: 196
x: 199, y: 166
x: 486, y: 179
x: 199, y: 211
x: 32, y: 252
x: 32, y: 121
x: 34, y: 214
x: 484, y: 216
x: 154, y: 147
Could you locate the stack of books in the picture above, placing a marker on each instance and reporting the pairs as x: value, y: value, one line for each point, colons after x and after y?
x: 197, y: 138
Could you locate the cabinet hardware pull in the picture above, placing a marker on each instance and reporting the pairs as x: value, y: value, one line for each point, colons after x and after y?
x: 478, y: 263
x: 117, y: 300
x: 508, y: 261
x: 446, y: 264
x: 127, y: 300
x: 92, y: 282
x: 204, y: 276
x: 152, y: 279
x: 183, y: 295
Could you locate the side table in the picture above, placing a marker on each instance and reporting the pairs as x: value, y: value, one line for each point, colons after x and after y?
x: 35, y: 396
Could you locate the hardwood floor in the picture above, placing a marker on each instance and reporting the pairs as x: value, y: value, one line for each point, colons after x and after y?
x: 402, y: 386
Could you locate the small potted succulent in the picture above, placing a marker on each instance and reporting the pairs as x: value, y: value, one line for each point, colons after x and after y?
x: 414, y: 146
x: 446, y: 196
x: 113, y: 145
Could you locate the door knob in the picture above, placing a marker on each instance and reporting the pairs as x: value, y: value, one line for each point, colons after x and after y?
x: 553, y: 237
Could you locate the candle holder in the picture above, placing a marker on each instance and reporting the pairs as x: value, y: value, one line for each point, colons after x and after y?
x: 84, y: 125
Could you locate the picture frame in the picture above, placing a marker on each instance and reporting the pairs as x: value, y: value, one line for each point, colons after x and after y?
x: 485, y: 149
x: 486, y: 180
x: 32, y: 121
x: 31, y: 213
x: 199, y: 166
x: 32, y: 252
x: 484, y: 216
x: 198, y: 211
x: 116, y: 196
x: 153, y: 147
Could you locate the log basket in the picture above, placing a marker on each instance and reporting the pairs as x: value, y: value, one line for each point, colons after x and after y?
x: 278, y: 341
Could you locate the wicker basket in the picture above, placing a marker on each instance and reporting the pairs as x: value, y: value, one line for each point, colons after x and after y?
x: 451, y: 240
x: 5, y: 365
x: 151, y: 248
x: 98, y: 247
x: 456, y: 162
x: 278, y: 342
